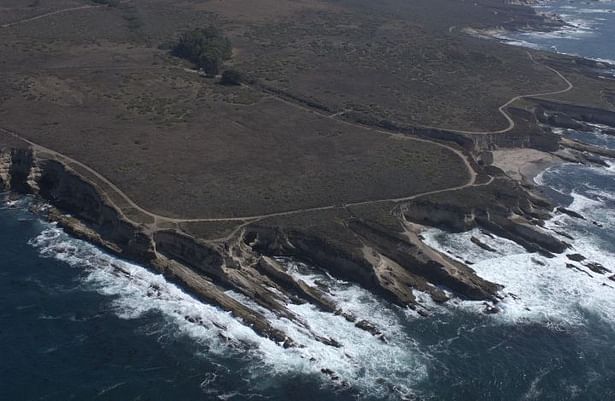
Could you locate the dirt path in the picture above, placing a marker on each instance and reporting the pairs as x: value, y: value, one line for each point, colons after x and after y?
x: 502, y: 108
x: 161, y: 219
x: 49, y: 14
x: 158, y: 219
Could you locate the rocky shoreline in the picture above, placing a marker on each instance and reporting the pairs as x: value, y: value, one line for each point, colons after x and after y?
x: 391, y: 261
x: 380, y: 249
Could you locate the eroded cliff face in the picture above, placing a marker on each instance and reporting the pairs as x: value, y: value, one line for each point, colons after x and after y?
x: 568, y: 115
x: 242, y: 271
x: 502, y: 207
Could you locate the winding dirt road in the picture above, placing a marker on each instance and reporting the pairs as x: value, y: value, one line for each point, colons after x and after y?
x: 49, y: 14
x: 502, y: 108
x: 158, y: 219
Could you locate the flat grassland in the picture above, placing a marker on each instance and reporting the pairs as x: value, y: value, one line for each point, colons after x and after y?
x: 96, y: 83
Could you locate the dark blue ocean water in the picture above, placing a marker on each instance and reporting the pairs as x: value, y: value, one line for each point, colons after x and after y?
x: 77, y: 324
x: 590, y: 31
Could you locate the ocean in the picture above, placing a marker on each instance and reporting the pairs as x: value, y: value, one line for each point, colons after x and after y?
x: 79, y: 324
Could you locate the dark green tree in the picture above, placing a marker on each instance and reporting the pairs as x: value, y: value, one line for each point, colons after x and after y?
x: 231, y: 77
x: 207, y: 48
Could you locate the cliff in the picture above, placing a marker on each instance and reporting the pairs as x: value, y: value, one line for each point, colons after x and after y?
x: 388, y: 259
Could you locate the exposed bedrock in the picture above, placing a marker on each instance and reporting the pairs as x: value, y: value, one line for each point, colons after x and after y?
x: 242, y: 275
x: 587, y: 151
x: 94, y: 219
x: 563, y: 113
x: 67, y: 191
x: 388, y: 263
x: 526, y: 133
x: 503, y: 208
x: 207, y: 270
x: 427, y: 269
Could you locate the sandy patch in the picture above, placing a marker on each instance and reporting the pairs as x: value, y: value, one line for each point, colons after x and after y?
x: 523, y: 164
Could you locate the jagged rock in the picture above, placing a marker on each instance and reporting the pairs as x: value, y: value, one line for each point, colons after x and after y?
x: 420, y: 261
x: 525, y: 235
x: 502, y: 207
x: 482, y: 244
x: 392, y: 264
x: 580, y: 113
x: 596, y: 267
x: 329, y: 373
x: 272, y: 269
x: 490, y: 309
x: 590, y: 149
x: 563, y: 234
x: 367, y: 326
x: 595, y: 160
x: 563, y: 120
x: 439, y: 297
x: 575, y: 267
x: 576, y: 257
x: 570, y: 213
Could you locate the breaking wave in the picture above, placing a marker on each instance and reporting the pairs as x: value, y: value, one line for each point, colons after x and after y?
x: 362, y: 363
x: 559, y: 291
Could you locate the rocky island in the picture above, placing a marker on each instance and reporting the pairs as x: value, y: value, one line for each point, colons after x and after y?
x: 348, y: 128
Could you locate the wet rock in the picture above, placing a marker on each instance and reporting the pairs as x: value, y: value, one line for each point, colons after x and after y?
x: 587, y: 148
x: 524, y: 234
x: 570, y: 213
x: 439, y: 297
x: 597, y: 268
x: 576, y: 257
x: 490, y: 309
x: 329, y: 341
x: 513, y: 296
x: 563, y: 121
x: 577, y: 268
x: 482, y: 244
x: 563, y: 234
x: 329, y: 373
x: 596, y: 160
x: 369, y: 327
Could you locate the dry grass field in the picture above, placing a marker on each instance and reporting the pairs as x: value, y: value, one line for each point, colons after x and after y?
x: 97, y: 83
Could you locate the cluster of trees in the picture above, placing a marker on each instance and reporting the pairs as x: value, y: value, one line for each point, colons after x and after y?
x: 231, y: 77
x: 207, y: 48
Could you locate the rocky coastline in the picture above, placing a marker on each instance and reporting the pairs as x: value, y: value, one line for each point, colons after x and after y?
x: 384, y: 254
x: 390, y: 260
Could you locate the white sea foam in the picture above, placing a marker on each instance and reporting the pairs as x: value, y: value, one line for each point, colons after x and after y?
x: 538, y: 289
x: 546, y: 289
x: 137, y: 291
x: 363, y: 361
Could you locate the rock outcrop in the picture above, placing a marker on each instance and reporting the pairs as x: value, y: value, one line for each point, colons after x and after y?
x: 241, y: 274
x: 502, y: 207
x: 566, y: 113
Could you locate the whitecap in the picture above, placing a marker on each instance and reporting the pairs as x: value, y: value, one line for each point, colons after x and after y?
x: 536, y: 289
x: 363, y: 361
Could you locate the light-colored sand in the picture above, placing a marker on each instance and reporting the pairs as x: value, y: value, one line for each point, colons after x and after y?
x: 523, y: 164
